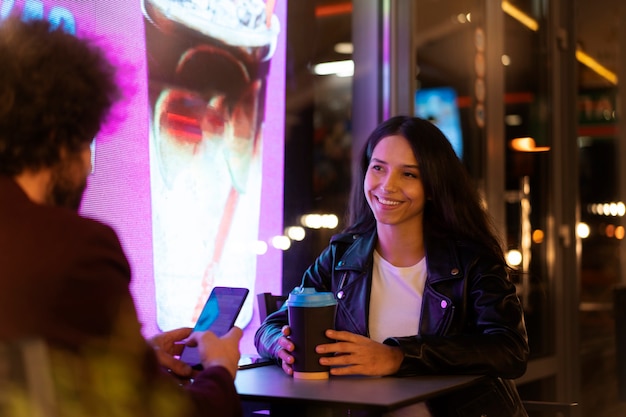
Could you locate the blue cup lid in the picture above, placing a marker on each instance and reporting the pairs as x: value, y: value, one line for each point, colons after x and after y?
x: 309, y: 297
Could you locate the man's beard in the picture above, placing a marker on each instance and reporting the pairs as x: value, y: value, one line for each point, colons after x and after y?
x: 67, y: 184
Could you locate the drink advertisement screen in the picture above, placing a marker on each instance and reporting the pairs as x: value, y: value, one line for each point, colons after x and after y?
x: 189, y: 169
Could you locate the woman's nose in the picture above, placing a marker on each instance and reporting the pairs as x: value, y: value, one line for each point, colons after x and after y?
x: 388, y: 184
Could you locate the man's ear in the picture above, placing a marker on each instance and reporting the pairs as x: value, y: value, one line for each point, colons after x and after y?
x: 35, y: 183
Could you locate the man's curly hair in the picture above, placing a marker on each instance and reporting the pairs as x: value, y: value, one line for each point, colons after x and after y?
x: 56, y: 90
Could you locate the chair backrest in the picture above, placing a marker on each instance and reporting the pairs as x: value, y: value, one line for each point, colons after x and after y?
x: 269, y: 303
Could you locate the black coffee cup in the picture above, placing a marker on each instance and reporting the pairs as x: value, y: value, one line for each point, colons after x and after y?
x: 311, y: 313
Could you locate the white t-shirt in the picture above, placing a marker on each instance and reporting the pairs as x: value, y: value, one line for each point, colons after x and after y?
x: 395, y: 310
x: 396, y: 299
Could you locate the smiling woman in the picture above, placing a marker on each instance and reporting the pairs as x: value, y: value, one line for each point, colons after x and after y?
x: 419, y: 275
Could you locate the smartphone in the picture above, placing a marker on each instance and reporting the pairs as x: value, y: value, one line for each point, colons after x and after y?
x: 218, y: 315
x: 253, y: 361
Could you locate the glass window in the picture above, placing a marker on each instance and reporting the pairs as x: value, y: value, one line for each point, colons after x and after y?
x: 318, y: 126
x: 601, y: 208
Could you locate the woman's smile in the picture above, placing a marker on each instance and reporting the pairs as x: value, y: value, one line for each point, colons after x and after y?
x: 387, y: 202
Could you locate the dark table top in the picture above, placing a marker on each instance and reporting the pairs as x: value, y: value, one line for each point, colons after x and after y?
x: 270, y: 384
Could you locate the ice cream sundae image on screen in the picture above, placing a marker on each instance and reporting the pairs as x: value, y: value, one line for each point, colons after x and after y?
x: 208, y: 62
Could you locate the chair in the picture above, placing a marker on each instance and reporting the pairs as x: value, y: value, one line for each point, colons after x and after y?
x: 549, y: 408
x: 269, y: 303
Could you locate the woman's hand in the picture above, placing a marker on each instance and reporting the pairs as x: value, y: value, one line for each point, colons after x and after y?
x: 356, y: 354
x: 286, y: 347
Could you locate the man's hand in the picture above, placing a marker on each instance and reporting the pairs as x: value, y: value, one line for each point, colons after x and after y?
x: 218, y: 351
x: 168, y: 346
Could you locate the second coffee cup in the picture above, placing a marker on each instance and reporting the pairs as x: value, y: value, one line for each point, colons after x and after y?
x: 311, y: 313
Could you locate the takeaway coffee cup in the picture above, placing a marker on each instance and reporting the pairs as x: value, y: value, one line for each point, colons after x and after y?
x: 311, y: 313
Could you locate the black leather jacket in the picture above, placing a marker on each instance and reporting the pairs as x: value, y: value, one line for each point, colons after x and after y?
x: 471, y: 322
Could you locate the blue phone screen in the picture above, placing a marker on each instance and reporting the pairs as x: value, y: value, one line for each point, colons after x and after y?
x: 218, y: 315
x: 220, y: 312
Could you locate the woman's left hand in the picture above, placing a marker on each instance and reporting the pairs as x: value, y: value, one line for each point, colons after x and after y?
x: 356, y: 354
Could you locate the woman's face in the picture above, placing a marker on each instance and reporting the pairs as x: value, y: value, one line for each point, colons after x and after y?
x: 393, y: 186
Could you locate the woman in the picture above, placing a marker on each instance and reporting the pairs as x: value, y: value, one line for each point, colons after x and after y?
x: 420, y: 277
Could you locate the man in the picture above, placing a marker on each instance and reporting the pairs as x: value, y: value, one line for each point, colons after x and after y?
x: 64, y: 279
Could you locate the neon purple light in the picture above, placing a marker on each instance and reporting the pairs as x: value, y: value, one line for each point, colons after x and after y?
x: 386, y: 60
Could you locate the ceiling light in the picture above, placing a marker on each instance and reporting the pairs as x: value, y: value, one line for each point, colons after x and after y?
x: 520, y: 16
x: 338, y: 68
x: 513, y: 120
x: 595, y: 66
x: 527, y: 145
x: 344, y: 48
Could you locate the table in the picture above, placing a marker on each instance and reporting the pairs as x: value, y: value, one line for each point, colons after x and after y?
x: 373, y: 395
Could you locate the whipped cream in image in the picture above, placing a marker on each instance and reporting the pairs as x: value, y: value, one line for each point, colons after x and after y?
x: 237, y: 22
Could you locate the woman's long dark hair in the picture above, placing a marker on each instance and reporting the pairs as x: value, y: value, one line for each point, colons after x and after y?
x: 453, y: 207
